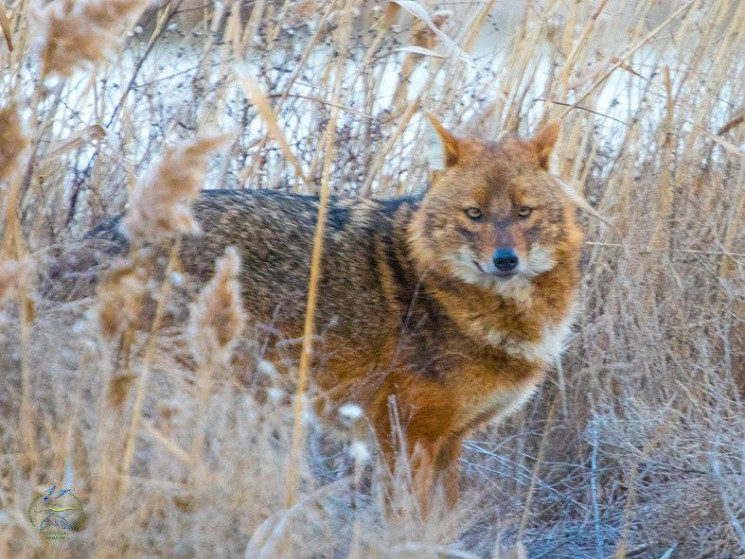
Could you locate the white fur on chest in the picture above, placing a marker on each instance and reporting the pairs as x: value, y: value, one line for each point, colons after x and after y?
x: 498, y: 404
x: 546, y: 350
x: 506, y: 403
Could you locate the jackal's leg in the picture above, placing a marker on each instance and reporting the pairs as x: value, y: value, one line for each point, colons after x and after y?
x: 416, y: 461
x: 435, y: 469
x: 431, y: 463
x: 424, y: 473
x: 412, y: 417
x: 448, y: 469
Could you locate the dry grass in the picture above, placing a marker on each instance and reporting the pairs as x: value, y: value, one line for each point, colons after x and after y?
x: 633, y: 448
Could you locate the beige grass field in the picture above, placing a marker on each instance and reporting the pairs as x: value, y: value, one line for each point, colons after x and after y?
x: 634, y: 447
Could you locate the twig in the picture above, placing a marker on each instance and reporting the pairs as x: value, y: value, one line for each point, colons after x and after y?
x: 634, y: 551
x: 732, y: 123
x: 734, y: 515
x: 669, y: 553
x: 315, y: 269
x: 323, y: 102
x: 536, y: 468
x: 685, y: 250
x: 583, y: 109
x: 419, y: 550
x: 271, y: 532
x: 161, y: 27
x: 594, y: 492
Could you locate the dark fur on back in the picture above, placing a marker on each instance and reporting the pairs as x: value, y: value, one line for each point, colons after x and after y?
x: 274, y: 233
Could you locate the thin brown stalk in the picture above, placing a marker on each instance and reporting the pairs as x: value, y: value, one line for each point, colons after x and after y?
x: 731, y: 124
x: 580, y: 44
x: 15, y: 274
x: 315, y: 271
x: 6, y: 28
x: 259, y: 99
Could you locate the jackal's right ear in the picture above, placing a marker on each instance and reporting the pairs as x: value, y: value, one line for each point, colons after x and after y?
x: 442, y: 146
x: 544, y: 141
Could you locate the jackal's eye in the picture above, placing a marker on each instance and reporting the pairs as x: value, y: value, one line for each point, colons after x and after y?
x: 474, y: 213
x: 524, y: 211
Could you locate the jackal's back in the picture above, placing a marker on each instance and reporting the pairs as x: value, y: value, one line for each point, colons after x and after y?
x: 364, y: 243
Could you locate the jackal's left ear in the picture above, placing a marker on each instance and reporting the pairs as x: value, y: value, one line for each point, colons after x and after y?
x: 442, y: 146
x: 544, y: 141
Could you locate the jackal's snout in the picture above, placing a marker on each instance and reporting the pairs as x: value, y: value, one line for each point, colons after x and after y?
x: 505, y: 260
x: 502, y: 262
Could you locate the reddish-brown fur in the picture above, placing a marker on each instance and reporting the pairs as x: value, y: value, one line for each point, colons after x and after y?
x: 412, y: 316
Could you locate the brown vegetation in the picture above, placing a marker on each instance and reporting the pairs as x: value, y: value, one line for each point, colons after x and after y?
x: 634, y: 448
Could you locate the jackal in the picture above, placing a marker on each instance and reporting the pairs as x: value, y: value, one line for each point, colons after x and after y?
x: 445, y: 308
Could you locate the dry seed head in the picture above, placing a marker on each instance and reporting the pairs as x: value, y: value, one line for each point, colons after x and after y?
x: 217, y: 318
x: 160, y: 206
x: 12, y: 140
x: 73, y: 34
x: 119, y: 387
x: 422, y: 34
x: 350, y: 412
x: 359, y: 452
x: 119, y: 299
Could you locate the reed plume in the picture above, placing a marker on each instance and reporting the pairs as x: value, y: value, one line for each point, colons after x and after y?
x: 160, y: 205
x: 119, y: 296
x: 12, y: 140
x: 76, y: 34
x: 217, y: 318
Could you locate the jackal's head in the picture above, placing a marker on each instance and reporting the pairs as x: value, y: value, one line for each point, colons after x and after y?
x: 494, y: 216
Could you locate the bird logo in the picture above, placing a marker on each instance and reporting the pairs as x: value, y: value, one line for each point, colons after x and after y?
x: 53, y: 510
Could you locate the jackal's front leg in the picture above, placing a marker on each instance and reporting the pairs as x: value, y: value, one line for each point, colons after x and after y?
x: 413, y: 464
x: 412, y: 430
x: 436, y: 473
x: 448, y: 470
x: 434, y: 470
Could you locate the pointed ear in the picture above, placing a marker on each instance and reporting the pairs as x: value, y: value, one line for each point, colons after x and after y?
x: 442, y: 146
x: 544, y: 141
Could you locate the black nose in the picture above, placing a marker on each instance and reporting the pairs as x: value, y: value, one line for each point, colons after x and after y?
x: 505, y: 259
